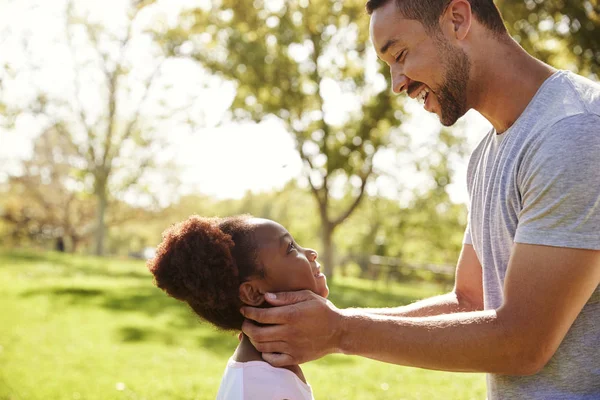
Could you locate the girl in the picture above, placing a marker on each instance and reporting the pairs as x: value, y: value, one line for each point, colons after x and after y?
x: 216, y: 265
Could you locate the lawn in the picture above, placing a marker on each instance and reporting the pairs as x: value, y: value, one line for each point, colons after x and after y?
x: 77, y: 327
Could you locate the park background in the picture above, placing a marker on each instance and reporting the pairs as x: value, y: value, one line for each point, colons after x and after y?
x: 120, y: 118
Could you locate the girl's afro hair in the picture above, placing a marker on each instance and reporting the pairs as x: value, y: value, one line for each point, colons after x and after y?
x: 203, y: 261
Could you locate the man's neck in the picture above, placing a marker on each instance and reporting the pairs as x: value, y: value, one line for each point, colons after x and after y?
x: 504, y: 80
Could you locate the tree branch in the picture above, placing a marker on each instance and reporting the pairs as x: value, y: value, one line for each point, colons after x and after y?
x: 357, y: 200
x: 80, y: 113
x: 132, y: 123
x: 313, y: 188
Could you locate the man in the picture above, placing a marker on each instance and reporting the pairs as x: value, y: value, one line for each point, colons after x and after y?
x: 526, y: 303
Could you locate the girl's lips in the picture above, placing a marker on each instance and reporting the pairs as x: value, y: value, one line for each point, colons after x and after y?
x: 318, y: 273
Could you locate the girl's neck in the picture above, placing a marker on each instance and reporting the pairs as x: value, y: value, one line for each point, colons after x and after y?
x: 246, y: 352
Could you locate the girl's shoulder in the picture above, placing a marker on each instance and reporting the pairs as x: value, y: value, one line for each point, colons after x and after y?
x: 261, y: 380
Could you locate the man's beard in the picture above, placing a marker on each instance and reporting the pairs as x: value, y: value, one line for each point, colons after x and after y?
x: 452, y: 94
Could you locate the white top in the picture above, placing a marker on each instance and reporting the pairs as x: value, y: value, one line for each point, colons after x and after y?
x: 261, y: 381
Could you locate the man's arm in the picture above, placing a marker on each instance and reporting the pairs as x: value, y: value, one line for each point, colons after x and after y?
x: 467, y: 294
x: 545, y: 289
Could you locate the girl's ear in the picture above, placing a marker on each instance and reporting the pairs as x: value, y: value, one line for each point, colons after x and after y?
x: 251, y: 294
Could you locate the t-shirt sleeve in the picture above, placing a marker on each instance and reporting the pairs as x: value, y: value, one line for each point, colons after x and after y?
x: 559, y: 183
x: 467, y: 237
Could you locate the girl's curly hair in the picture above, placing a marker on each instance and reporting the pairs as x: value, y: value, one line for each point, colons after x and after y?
x: 203, y: 261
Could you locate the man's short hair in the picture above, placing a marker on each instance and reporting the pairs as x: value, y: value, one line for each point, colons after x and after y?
x: 428, y: 12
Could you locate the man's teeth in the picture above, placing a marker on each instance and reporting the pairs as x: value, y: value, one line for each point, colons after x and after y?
x: 421, y: 97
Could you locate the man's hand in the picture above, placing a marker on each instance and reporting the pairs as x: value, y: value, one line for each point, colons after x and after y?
x: 304, y: 327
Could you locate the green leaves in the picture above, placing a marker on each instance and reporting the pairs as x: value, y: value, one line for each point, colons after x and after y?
x: 306, y: 63
x: 565, y: 33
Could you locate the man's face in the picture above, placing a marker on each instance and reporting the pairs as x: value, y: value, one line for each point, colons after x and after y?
x: 428, y: 67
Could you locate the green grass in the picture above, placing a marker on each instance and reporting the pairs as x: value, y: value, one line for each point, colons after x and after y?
x: 75, y: 327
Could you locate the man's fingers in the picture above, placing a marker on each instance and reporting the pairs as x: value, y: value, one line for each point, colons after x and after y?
x: 258, y: 334
x: 287, y: 298
x: 273, y: 347
x: 271, y: 316
x: 279, y: 359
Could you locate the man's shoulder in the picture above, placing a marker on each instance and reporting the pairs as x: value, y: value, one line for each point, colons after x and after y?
x: 585, y: 90
x: 567, y: 96
x: 567, y: 113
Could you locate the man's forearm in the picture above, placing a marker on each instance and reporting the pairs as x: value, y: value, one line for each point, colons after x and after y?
x: 462, y: 342
x: 448, y: 303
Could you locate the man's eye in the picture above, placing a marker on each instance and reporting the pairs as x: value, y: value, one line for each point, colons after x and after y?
x: 399, y: 56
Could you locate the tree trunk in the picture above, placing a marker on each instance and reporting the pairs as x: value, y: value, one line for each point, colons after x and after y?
x: 74, y: 243
x: 100, y: 223
x: 328, y: 256
x: 60, y: 244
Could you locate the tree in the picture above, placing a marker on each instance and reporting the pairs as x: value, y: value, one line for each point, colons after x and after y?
x: 427, y: 228
x: 112, y: 114
x: 295, y: 61
x: 41, y: 203
x: 564, y: 33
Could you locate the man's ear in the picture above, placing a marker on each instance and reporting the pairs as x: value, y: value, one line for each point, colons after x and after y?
x: 456, y: 21
x: 251, y: 294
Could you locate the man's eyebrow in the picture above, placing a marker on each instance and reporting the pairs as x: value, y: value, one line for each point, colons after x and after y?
x: 387, y: 45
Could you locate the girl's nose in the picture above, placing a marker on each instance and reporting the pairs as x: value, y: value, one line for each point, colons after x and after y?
x: 312, y: 255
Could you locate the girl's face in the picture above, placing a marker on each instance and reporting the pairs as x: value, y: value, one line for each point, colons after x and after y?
x: 286, y: 265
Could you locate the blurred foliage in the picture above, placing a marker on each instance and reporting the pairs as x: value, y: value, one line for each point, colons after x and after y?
x: 427, y: 229
x: 286, y: 59
x: 112, y: 144
x: 38, y: 205
x: 289, y: 61
x: 564, y: 33
x: 46, y: 204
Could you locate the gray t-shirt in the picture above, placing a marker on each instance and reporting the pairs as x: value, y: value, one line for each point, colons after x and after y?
x: 539, y: 183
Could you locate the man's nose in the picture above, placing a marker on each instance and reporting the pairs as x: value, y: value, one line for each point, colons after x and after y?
x: 399, y: 82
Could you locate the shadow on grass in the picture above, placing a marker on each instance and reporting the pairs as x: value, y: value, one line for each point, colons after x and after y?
x: 23, y: 256
x: 78, y: 292
x: 64, y: 265
x: 135, y: 334
x: 222, y: 344
x: 143, y: 296
x: 144, y: 299
x: 69, y: 295
x: 219, y: 343
x: 75, y: 270
x: 151, y: 301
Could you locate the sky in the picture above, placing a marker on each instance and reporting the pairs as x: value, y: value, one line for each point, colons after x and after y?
x: 225, y: 160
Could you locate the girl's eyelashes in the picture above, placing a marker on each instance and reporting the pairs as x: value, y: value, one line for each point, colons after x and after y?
x: 291, y: 247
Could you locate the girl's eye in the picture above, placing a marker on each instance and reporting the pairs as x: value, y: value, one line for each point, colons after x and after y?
x: 291, y: 247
